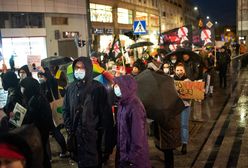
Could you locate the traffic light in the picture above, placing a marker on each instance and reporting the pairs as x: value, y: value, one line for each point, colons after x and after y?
x: 81, y: 43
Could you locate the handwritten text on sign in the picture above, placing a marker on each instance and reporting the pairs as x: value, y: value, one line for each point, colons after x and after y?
x: 190, y: 90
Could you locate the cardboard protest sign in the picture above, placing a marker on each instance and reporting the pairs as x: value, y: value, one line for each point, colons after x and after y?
x: 19, y: 114
x: 190, y: 90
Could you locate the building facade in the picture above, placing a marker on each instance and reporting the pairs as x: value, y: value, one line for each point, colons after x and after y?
x: 41, y: 28
x: 116, y: 17
x: 242, y: 20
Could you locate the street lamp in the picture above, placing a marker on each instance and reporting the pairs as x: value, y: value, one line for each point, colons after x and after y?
x: 195, y: 8
x: 215, y: 22
x: 208, y: 17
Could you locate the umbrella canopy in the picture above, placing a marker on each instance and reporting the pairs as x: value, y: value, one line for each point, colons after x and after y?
x: 140, y: 44
x: 179, y: 53
x: 159, y: 96
x: 55, y: 60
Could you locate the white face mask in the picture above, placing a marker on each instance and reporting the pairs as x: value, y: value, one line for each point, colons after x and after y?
x: 173, y: 61
x: 41, y: 80
x: 117, y: 91
x: 79, y: 74
x: 166, y: 70
x: 22, y: 90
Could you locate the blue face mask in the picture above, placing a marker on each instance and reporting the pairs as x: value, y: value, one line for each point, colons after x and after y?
x: 79, y: 74
x: 117, y: 91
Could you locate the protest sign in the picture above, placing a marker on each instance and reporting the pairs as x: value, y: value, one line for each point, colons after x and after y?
x: 19, y: 114
x: 190, y: 90
x: 34, y: 61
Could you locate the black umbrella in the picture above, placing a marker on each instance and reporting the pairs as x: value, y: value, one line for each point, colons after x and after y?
x: 55, y: 60
x: 140, y: 44
x: 159, y: 96
x: 179, y: 53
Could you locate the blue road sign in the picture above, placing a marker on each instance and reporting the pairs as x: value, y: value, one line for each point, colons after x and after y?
x: 139, y: 27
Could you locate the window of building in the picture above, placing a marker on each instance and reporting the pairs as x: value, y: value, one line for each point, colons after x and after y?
x: 59, y: 21
x: 141, y: 16
x: 100, y: 13
x: 154, y: 20
x: 153, y: 4
x: 164, y: 14
x: 125, y: 16
x: 22, y: 48
x: 21, y: 20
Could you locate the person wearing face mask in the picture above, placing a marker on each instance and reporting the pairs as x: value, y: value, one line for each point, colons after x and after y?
x: 49, y: 84
x: 24, y: 72
x: 49, y: 93
x: 180, y: 75
x: 38, y: 112
x: 87, y: 115
x: 173, y: 62
x: 132, y: 146
x: 10, y: 84
x: 166, y: 69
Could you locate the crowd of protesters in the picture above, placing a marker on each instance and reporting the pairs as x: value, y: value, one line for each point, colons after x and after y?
x: 92, y: 126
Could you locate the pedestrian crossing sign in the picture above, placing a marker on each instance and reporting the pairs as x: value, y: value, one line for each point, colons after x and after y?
x: 139, y: 27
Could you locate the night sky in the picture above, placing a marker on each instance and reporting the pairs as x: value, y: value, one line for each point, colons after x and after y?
x: 222, y: 11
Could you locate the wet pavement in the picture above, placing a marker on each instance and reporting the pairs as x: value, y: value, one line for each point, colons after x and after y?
x: 219, y: 140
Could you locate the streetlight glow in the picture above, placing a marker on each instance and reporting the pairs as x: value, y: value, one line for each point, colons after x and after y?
x: 208, y: 17
x: 195, y: 8
x: 216, y: 22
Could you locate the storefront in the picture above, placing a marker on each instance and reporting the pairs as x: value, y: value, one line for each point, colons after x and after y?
x: 23, y: 44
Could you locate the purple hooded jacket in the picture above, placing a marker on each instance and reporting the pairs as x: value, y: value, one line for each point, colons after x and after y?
x: 132, y: 146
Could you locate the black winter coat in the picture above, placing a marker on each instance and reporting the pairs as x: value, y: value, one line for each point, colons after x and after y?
x: 10, y: 83
x: 38, y: 112
x: 94, y: 126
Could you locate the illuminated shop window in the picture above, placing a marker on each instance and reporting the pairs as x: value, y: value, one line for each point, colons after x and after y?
x: 141, y: 16
x: 21, y: 48
x: 154, y: 20
x: 100, y: 13
x: 125, y: 16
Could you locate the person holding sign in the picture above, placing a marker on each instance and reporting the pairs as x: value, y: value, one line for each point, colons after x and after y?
x: 180, y: 75
x: 10, y: 84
